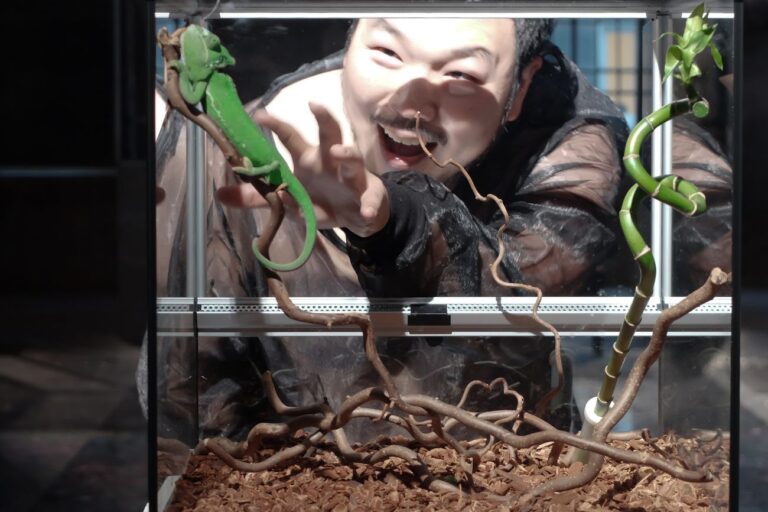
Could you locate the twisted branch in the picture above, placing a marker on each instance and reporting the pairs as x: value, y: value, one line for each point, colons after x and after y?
x: 544, y: 401
x: 645, y: 360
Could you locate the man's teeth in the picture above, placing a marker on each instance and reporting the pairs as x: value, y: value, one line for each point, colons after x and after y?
x: 400, y: 140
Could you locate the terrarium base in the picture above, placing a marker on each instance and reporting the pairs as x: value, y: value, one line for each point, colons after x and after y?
x: 322, y: 482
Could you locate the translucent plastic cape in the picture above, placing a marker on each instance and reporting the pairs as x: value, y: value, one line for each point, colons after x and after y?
x: 557, y: 169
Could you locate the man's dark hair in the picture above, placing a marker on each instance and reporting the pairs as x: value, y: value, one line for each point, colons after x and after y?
x: 531, y: 34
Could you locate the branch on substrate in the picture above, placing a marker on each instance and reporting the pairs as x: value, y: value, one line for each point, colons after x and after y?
x: 647, y: 438
x: 645, y: 360
x: 717, y: 441
x: 352, y: 403
x: 281, y: 457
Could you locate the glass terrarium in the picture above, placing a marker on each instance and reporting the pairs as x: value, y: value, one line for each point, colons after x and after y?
x: 433, y: 255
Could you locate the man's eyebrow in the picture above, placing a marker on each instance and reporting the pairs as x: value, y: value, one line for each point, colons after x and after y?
x: 455, y: 54
x: 473, y: 51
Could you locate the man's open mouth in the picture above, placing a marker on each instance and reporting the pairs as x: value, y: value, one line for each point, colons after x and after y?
x: 403, y: 145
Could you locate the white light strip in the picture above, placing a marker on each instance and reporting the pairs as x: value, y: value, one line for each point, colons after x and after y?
x: 407, y: 14
x: 409, y: 332
x: 353, y: 14
x: 714, y: 15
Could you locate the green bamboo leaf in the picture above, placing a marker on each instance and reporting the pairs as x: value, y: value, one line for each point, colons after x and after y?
x: 716, y: 56
x: 687, y: 58
x: 678, y: 37
x: 667, y: 74
x: 698, y: 42
x: 694, y: 71
x: 670, y: 63
x: 703, y: 41
x: 693, y: 25
x: 698, y: 11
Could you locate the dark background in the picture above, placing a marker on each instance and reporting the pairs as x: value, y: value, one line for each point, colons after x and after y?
x: 76, y: 227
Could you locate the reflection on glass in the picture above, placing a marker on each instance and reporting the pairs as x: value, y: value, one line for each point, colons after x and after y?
x: 695, y: 384
x: 702, y: 152
x: 554, y: 159
x: 551, y: 150
x: 177, y: 428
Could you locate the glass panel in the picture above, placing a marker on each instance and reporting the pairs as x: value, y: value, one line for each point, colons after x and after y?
x: 171, y: 233
x: 308, y: 370
x: 701, y: 368
x: 702, y: 152
x: 561, y: 187
x: 564, y: 237
x: 589, y: 357
x: 232, y: 399
x: 177, y: 421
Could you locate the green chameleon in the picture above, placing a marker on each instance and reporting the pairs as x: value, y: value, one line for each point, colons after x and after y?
x: 200, y: 80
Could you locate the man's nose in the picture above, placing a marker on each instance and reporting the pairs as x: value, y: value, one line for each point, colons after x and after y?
x: 419, y: 95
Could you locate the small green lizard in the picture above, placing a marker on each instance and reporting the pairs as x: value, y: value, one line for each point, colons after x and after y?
x: 201, y: 81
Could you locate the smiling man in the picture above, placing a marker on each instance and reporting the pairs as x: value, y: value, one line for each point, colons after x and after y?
x: 393, y: 69
x: 494, y: 95
x: 349, y: 123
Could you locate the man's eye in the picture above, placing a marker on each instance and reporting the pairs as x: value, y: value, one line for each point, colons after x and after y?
x: 387, y: 52
x: 463, y: 76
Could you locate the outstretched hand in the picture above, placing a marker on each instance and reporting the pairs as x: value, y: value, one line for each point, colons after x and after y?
x: 343, y: 192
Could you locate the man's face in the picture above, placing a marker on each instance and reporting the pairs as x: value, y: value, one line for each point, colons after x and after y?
x: 456, y: 72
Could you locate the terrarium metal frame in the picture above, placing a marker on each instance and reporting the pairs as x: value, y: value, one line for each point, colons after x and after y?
x: 221, y: 317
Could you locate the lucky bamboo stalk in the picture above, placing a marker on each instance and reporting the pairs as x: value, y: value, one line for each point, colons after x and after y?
x: 671, y: 190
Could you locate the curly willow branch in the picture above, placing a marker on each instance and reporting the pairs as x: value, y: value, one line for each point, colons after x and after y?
x: 542, y: 404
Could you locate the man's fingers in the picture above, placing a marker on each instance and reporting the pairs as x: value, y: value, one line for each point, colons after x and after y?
x: 374, y: 206
x: 288, y: 135
x: 350, y: 167
x: 329, y: 133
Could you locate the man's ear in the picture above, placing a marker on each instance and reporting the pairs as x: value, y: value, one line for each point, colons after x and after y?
x: 526, y: 77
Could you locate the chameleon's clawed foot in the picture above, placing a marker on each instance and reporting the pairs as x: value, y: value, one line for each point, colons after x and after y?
x: 176, y: 65
x: 163, y: 37
x: 249, y: 170
x: 166, y: 39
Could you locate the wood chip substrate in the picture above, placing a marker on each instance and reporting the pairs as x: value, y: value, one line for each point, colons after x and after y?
x: 321, y: 482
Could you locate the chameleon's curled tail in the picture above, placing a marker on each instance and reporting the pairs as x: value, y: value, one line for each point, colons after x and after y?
x: 309, y: 239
